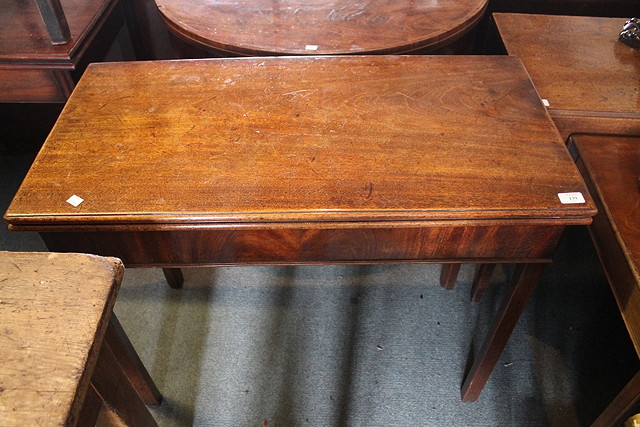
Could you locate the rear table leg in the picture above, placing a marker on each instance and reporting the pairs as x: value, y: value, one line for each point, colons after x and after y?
x: 515, y: 299
x: 449, y: 275
x: 481, y: 280
x: 174, y: 277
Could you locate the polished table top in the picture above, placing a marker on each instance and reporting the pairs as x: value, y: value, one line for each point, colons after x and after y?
x: 285, y: 141
x: 590, y: 79
x: 263, y: 27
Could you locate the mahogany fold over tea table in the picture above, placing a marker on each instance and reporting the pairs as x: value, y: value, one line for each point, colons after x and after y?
x: 310, y: 160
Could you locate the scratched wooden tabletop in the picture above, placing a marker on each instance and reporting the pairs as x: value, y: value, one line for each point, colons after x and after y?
x: 53, y: 307
x: 302, y: 139
x: 324, y: 27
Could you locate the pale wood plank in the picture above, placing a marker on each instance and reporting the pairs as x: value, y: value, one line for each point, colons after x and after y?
x: 53, y: 308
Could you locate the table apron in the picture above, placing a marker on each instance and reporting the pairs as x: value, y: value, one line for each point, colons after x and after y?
x: 191, y: 247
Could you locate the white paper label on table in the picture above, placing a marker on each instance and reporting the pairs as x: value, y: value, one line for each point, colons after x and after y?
x: 571, y: 198
x: 75, y: 200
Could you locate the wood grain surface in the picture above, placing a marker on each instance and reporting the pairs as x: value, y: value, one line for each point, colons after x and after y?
x: 590, y: 79
x: 53, y: 308
x: 611, y: 166
x: 614, y: 167
x: 290, y: 140
x: 297, y: 27
x: 313, y: 246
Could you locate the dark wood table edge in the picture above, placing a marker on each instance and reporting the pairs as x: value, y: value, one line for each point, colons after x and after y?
x: 628, y: 399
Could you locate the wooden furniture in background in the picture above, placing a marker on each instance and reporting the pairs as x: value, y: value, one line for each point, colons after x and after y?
x: 32, y: 69
x: 264, y: 27
x: 65, y: 357
x: 590, y: 79
x: 611, y: 168
x: 55, y: 21
x: 287, y: 161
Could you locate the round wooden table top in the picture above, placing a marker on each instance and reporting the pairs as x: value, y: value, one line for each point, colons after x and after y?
x: 320, y: 27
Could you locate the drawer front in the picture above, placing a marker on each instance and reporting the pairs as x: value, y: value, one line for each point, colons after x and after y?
x: 313, y: 246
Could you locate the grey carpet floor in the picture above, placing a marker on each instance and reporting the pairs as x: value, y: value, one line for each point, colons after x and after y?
x: 364, y: 345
